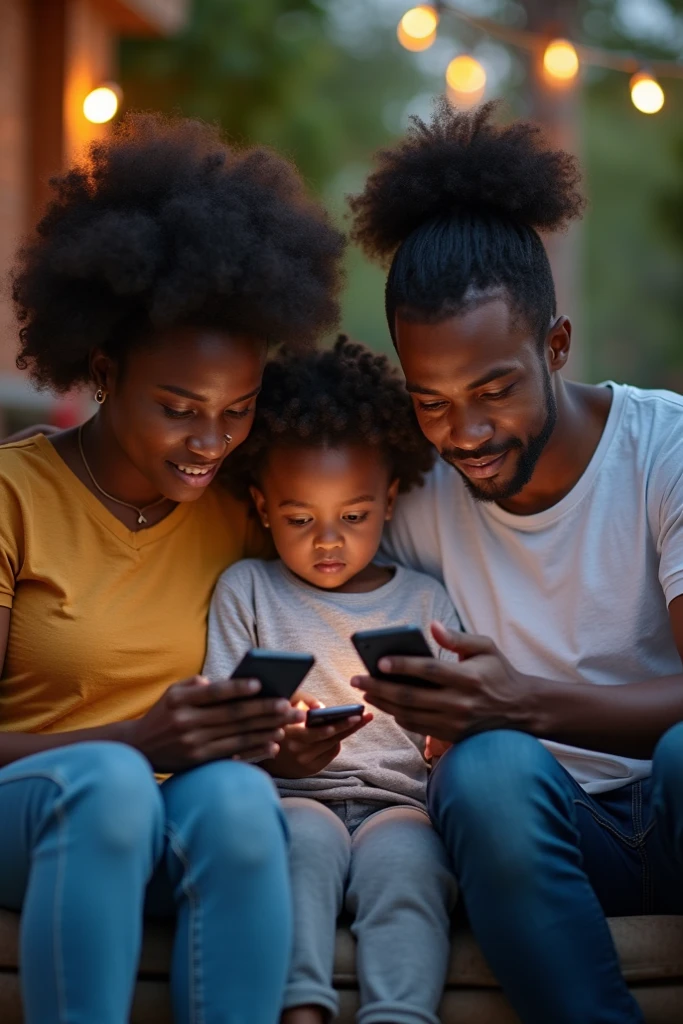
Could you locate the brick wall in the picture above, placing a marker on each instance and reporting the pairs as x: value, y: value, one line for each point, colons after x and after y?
x: 14, y: 198
x: 52, y: 53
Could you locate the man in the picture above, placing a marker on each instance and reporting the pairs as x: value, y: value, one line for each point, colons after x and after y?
x: 556, y: 523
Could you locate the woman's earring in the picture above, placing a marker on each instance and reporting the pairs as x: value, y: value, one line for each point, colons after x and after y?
x: 100, y: 396
x: 228, y: 438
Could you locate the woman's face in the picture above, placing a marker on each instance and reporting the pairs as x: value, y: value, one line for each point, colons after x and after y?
x: 170, y: 405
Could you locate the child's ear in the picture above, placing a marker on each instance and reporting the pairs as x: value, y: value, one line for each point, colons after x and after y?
x: 391, y: 498
x: 260, y: 502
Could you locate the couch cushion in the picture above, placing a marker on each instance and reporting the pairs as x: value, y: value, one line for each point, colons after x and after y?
x: 650, y: 949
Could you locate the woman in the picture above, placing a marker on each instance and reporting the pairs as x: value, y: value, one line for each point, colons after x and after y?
x: 161, y: 270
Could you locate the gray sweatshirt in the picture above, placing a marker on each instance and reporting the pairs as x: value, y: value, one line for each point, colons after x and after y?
x: 263, y: 604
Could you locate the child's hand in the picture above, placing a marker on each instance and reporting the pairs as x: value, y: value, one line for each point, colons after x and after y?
x: 434, y: 749
x: 305, y: 752
x: 305, y: 701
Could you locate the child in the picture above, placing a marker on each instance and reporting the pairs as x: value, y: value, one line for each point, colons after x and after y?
x: 333, y: 442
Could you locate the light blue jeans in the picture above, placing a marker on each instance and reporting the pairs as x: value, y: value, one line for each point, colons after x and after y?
x: 89, y: 839
x: 540, y: 863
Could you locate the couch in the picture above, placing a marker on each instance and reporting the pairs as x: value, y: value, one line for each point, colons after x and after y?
x: 650, y: 948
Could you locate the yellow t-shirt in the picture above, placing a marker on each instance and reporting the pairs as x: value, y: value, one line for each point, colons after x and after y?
x: 103, y: 619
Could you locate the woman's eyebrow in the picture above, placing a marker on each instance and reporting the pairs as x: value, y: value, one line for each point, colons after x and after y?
x: 184, y: 393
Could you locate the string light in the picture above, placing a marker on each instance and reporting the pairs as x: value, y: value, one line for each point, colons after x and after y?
x: 561, y: 59
x: 417, y: 28
x: 560, y: 62
x: 647, y: 94
x: 466, y: 79
x: 100, y: 105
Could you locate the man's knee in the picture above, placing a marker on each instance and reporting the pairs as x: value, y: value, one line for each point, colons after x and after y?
x: 489, y: 773
x: 494, y: 797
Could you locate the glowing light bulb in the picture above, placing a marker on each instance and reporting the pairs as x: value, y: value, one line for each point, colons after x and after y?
x: 100, y: 105
x: 466, y: 75
x: 560, y: 62
x: 417, y: 28
x: 647, y: 94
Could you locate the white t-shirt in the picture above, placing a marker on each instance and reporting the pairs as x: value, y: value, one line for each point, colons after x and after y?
x: 579, y: 591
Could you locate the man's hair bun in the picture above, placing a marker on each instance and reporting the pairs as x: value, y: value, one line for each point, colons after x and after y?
x: 462, y: 162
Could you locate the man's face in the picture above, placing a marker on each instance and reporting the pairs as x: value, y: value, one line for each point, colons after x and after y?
x: 483, y: 395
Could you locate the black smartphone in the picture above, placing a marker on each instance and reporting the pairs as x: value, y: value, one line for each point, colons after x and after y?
x: 330, y: 716
x: 278, y: 672
x: 374, y: 644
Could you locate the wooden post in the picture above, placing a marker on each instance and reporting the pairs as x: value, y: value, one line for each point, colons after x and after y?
x: 47, y: 41
x: 556, y: 108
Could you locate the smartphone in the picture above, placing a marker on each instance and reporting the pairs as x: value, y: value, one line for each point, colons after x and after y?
x: 374, y: 644
x: 330, y: 716
x: 278, y: 672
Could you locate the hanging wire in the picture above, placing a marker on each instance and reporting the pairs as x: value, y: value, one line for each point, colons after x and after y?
x: 593, y: 55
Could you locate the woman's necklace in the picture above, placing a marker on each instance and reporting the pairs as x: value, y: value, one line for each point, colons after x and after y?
x: 140, y: 511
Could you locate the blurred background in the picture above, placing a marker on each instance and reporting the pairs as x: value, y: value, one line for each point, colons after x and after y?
x: 327, y: 82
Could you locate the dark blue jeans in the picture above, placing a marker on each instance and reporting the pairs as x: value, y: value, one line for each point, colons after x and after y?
x: 541, y: 864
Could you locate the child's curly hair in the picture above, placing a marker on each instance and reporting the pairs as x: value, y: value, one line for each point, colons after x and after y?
x: 346, y: 395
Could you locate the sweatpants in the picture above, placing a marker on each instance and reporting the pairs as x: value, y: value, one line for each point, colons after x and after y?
x: 387, y: 867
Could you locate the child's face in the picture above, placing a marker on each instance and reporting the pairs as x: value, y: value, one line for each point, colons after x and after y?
x: 326, y: 508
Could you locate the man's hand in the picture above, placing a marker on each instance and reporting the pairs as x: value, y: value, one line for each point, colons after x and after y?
x: 26, y: 432
x: 482, y: 692
x: 305, y: 751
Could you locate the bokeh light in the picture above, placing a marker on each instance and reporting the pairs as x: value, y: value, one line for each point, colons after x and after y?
x: 560, y: 62
x: 417, y: 28
x: 100, y: 105
x: 647, y: 94
x: 465, y: 75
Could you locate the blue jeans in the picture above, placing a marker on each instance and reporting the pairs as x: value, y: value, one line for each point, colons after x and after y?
x: 540, y: 865
x: 89, y: 841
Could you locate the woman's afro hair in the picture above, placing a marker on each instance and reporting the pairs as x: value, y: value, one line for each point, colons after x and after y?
x: 164, y: 224
x: 458, y: 204
x: 328, y: 398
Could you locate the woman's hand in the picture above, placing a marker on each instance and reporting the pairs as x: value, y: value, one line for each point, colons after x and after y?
x: 305, y: 751
x: 197, y: 721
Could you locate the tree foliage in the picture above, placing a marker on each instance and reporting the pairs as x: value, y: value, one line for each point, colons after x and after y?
x: 271, y: 71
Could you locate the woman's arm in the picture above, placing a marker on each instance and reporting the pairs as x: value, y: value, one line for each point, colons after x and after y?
x: 194, y: 721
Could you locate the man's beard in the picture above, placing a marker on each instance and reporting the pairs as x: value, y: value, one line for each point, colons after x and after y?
x: 529, y: 454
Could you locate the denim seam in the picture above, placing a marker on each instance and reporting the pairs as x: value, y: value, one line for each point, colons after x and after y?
x: 196, y: 986
x: 633, y: 842
x: 637, y: 811
x: 26, y: 776
x: 60, y: 783
x: 58, y: 905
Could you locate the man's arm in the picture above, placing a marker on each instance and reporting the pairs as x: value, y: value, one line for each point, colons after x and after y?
x: 484, y: 691
x: 23, y: 435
